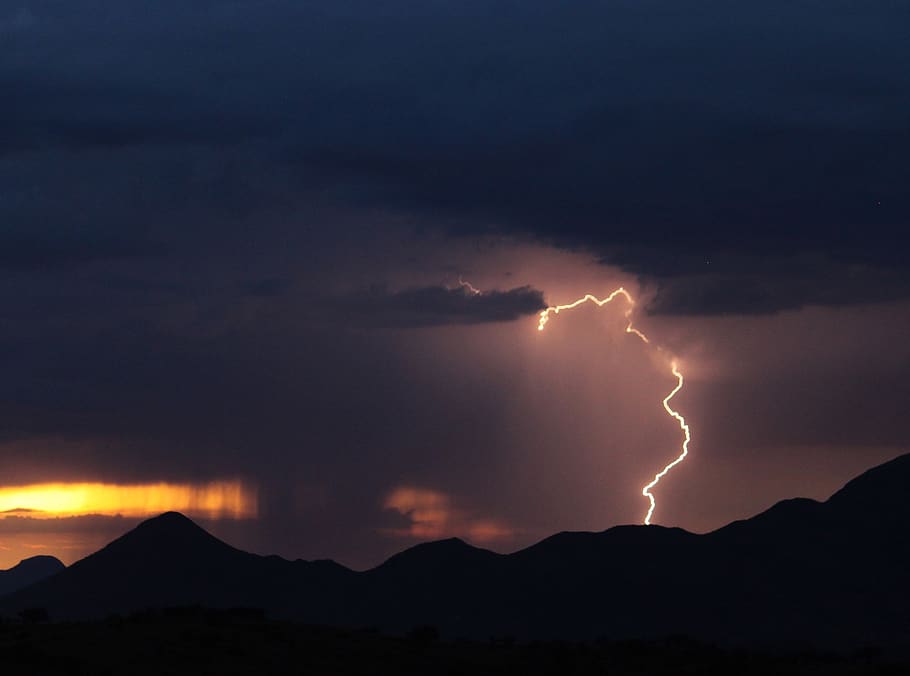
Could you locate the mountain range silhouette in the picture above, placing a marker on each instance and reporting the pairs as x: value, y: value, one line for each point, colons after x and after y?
x: 832, y: 574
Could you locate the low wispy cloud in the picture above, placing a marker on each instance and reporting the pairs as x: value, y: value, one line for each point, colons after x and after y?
x: 433, y: 515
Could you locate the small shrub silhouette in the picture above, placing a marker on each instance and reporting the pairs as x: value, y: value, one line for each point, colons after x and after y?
x: 424, y: 634
x: 34, y: 615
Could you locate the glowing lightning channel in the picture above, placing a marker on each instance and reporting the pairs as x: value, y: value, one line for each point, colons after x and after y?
x: 470, y: 288
x: 674, y: 369
x: 646, y: 491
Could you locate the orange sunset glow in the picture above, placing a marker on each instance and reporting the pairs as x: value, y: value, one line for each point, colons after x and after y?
x: 433, y: 516
x: 219, y: 499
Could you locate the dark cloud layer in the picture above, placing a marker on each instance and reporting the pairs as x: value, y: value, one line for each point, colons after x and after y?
x: 436, y: 306
x: 48, y: 251
x: 666, y: 137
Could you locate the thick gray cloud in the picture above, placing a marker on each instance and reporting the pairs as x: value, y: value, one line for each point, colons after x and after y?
x: 19, y: 250
x: 436, y: 306
x: 662, y: 136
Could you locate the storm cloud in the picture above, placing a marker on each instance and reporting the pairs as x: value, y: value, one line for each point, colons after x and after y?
x: 436, y: 306
x: 668, y: 139
x: 231, y: 238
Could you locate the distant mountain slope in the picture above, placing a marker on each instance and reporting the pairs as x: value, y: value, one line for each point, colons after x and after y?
x: 170, y: 561
x: 27, y: 572
x: 832, y: 573
x: 882, y: 490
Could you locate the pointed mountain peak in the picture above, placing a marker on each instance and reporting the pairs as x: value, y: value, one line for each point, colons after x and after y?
x: 172, y: 521
x: 169, y: 533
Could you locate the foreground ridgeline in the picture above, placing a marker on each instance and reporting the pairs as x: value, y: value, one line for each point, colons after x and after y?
x: 822, y: 575
x: 195, y: 641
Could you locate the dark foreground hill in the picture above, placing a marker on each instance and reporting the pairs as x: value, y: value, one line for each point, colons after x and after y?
x: 195, y: 641
x: 829, y: 574
x: 28, y: 572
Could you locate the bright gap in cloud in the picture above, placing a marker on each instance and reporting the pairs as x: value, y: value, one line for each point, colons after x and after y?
x: 213, y: 500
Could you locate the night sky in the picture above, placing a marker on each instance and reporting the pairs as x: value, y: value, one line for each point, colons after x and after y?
x: 232, y: 234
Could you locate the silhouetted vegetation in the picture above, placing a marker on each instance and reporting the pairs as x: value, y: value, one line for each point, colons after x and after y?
x: 240, y: 641
x: 34, y: 615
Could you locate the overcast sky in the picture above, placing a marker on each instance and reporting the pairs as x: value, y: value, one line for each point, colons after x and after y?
x: 232, y: 234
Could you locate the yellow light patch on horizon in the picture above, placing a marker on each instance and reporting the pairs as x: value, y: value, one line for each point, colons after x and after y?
x: 218, y: 499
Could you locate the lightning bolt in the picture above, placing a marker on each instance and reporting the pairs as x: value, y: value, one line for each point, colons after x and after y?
x: 674, y: 369
x: 646, y: 491
x: 470, y: 288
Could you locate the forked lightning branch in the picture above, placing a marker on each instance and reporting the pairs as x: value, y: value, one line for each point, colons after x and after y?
x: 674, y: 369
